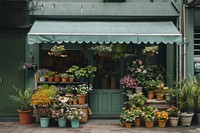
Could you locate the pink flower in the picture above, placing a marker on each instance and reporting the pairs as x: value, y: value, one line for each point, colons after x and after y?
x: 134, y: 62
x: 139, y: 70
x: 144, y: 71
x: 140, y: 62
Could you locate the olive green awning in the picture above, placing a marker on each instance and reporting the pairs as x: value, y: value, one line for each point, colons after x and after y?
x: 103, y: 32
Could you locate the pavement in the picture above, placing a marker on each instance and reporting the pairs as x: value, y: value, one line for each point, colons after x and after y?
x: 94, y: 126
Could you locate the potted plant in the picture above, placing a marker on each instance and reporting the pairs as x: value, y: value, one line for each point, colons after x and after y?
x: 90, y: 71
x: 159, y: 94
x: 137, y: 100
x: 102, y: 49
x: 75, y: 100
x: 149, y: 115
x: 57, y: 77
x: 169, y: 93
x: 82, y: 91
x: 81, y: 74
x: 139, y: 72
x: 64, y: 77
x: 23, y: 98
x: 187, y: 93
x: 174, y: 114
x: 128, y: 83
x: 150, y: 86
x: 127, y: 117
x: 138, y: 113
x: 44, y: 113
x: 57, y: 50
x: 59, y: 112
x: 50, y: 76
x: 150, y: 50
x: 42, y: 73
x: 162, y: 118
x: 71, y: 72
x: 74, y: 115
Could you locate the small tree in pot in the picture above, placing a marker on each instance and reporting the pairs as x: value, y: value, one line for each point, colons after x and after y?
x: 23, y: 97
x: 187, y: 94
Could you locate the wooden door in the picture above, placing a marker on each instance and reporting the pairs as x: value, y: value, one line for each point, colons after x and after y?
x: 106, y: 100
x: 12, y: 56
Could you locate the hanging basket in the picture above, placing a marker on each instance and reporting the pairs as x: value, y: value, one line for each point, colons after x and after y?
x: 57, y: 53
x: 150, y: 54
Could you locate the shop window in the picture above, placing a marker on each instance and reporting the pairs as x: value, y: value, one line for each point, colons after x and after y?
x: 107, y: 75
x: 62, y: 63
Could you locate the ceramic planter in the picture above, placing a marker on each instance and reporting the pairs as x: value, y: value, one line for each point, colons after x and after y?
x: 167, y: 97
x: 186, y: 119
x: 25, y: 117
x: 44, y: 122
x: 129, y: 91
x: 75, y: 123
x: 138, y: 89
x: 198, y: 118
x: 62, y: 122
x: 42, y: 78
x: 173, y: 121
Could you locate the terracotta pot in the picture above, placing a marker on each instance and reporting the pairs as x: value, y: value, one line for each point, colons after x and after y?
x: 151, y: 94
x: 57, y: 79
x: 149, y: 124
x: 75, y: 102
x: 162, y: 123
x: 137, y: 122
x: 25, y: 117
x: 159, y: 97
x: 50, y: 79
x: 71, y: 79
x: 173, y: 121
x: 81, y: 99
x: 128, y: 124
x: 64, y: 79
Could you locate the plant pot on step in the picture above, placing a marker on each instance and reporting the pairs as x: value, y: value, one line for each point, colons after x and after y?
x: 151, y: 94
x: 173, y: 121
x: 159, y: 97
x: 81, y: 99
x: 25, y: 117
x: 186, y: 119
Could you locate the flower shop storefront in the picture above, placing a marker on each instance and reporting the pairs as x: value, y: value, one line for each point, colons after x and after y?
x: 106, y: 99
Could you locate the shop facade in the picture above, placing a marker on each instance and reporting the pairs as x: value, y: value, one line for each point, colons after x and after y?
x: 80, y: 25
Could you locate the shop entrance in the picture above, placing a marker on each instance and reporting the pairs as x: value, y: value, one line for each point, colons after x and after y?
x: 106, y: 100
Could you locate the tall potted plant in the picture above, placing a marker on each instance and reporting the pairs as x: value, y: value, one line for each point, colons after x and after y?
x: 187, y: 93
x: 23, y: 98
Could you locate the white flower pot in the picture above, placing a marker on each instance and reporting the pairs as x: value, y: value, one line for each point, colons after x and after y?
x: 138, y: 90
x: 186, y: 119
x: 173, y: 121
x: 42, y: 79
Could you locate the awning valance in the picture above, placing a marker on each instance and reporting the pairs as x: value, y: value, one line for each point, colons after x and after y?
x: 103, y: 32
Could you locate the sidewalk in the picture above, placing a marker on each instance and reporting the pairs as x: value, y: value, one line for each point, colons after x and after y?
x: 93, y: 126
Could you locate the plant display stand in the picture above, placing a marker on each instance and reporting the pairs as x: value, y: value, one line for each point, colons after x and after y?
x: 161, y: 105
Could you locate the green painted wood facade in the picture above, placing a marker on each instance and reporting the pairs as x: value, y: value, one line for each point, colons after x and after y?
x: 103, y: 102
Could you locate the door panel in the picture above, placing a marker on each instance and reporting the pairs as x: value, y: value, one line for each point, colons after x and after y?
x: 12, y: 56
x: 106, y: 99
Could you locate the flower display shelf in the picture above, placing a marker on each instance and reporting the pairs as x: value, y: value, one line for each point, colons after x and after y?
x: 62, y: 83
x: 161, y: 105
